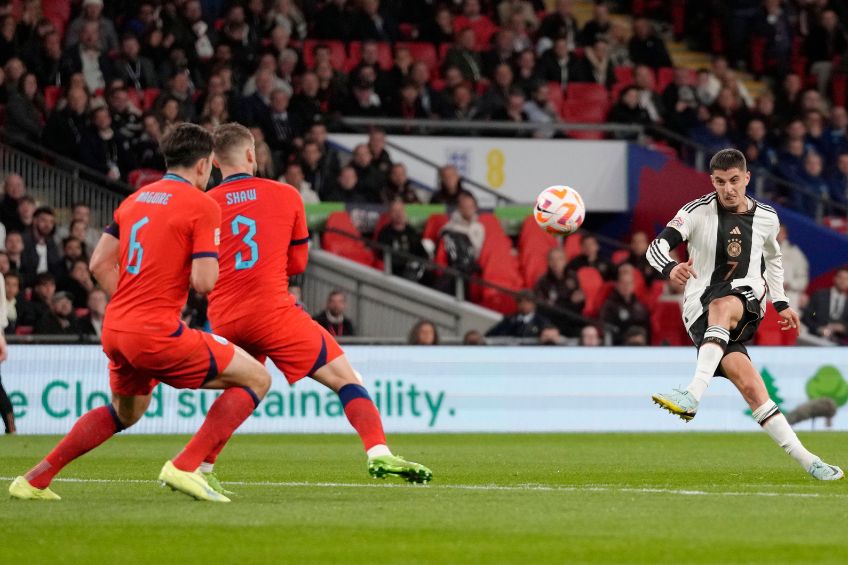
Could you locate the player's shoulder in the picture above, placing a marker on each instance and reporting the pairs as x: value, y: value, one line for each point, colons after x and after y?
x: 768, y: 211
x: 700, y: 205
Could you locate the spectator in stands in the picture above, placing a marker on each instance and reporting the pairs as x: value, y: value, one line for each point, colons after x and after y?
x: 622, y: 309
x: 317, y: 172
x: 330, y: 159
x: 41, y: 253
x: 839, y: 183
x: 26, y: 213
x: 561, y: 24
x: 838, y: 130
x: 465, y: 221
x: 635, y: 336
x: 432, y: 101
x: 306, y: 104
x: 46, y: 61
x: 333, y: 21
x: 513, y: 112
x: 363, y: 99
x: 14, y: 70
x: 146, y: 147
x: 463, y: 107
x: 619, y: 45
x: 92, y: 323
x: 72, y: 250
x: 7, y: 38
x: 371, y: 179
x: 646, y: 47
x: 680, y: 101
x: 372, y: 23
x: 369, y: 58
x: 599, y: 26
x: 559, y: 288
x: 713, y: 135
x: 347, y: 188
x: 774, y: 26
x: 472, y: 18
x: 496, y: 95
x: 628, y: 111
x: 788, y: 98
x: 464, y: 57
x: 25, y: 110
x: 727, y: 105
x: 541, y: 110
x: 255, y: 108
x: 557, y: 65
x: 526, y: 322
x: 597, y: 66
x: 215, y: 110
x: 648, y: 97
x: 104, y: 149
x: 91, y: 17
x: 526, y: 73
x: 438, y: 30
x: 294, y: 176
x: 333, y: 317
x: 408, y: 105
x: 400, y: 236
x: 136, y: 70
x: 550, y: 335
x: 12, y: 286
x: 285, y: 15
x: 424, y: 332
x: 14, y: 249
x: 126, y: 117
x: 826, y: 315
x: 796, y: 270
x: 65, y: 129
x: 13, y: 190
x: 398, y: 186
x: 181, y: 89
x: 60, y: 320
x: 501, y: 53
x: 379, y: 155
x: 5, y: 263
x: 88, y: 58
x: 815, y: 187
x: 281, y: 128
x: 39, y: 304
x: 79, y: 283
x: 637, y: 257
x: 590, y: 336
x: 757, y: 147
x: 590, y: 256
x: 473, y: 337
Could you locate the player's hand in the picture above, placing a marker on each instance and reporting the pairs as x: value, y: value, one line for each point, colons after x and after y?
x: 4, y: 351
x: 681, y: 273
x: 789, y: 320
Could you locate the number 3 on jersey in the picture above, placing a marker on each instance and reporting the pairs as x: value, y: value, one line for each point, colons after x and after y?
x: 250, y: 232
x: 136, y: 251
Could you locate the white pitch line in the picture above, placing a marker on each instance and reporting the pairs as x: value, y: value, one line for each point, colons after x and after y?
x: 501, y: 488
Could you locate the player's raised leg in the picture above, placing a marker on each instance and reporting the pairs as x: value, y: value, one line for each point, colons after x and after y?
x: 723, y: 315
x: 339, y: 376
x: 91, y: 430
x: 742, y: 374
x: 245, y: 382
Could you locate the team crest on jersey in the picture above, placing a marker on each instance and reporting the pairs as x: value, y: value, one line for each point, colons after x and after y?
x: 217, y: 236
x: 677, y: 222
x: 734, y: 247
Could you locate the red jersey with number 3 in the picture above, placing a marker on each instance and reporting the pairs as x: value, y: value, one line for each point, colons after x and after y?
x: 261, y: 221
x: 162, y: 228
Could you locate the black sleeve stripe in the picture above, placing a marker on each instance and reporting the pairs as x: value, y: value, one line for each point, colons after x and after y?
x: 112, y: 229
x: 205, y: 254
x: 698, y: 202
x: 656, y: 254
x: 299, y: 241
x: 672, y: 236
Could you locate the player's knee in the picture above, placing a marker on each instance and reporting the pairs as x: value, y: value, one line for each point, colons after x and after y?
x: 259, y: 380
x: 128, y: 415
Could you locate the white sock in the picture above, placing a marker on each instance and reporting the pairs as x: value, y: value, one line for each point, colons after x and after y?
x: 378, y: 451
x: 709, y: 356
x: 782, y: 433
x: 206, y: 467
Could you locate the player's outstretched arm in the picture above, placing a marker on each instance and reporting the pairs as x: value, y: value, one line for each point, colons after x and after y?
x: 298, y: 254
x: 104, y: 262
x: 774, y: 279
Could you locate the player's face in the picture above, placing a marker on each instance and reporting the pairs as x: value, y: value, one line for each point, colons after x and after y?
x: 730, y: 186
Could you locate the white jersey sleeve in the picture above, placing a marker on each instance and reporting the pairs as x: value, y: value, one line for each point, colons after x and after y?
x: 681, y: 228
x: 773, y: 259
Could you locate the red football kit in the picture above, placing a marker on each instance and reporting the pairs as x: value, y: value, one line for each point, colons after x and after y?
x: 161, y: 228
x: 264, y: 241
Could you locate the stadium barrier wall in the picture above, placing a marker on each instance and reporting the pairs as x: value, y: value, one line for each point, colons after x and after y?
x: 446, y: 389
x: 518, y: 169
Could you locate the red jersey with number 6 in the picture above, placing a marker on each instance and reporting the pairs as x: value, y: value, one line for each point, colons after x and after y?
x: 263, y: 242
x: 161, y: 228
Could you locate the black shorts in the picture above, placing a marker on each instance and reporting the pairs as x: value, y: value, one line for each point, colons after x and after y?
x: 744, y: 330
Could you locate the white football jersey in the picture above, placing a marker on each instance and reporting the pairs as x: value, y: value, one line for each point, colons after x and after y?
x: 727, y: 248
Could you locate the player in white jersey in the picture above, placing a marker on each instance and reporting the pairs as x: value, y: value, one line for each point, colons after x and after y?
x: 734, y: 261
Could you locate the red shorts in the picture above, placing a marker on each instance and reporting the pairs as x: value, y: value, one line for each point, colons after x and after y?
x: 185, y: 359
x: 296, y: 344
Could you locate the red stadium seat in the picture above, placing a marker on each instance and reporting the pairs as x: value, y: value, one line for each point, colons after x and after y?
x: 665, y: 76
x: 619, y: 256
x: 433, y: 226
x: 667, y: 325
x: 141, y: 177
x: 150, y: 96
x: 593, y: 112
x: 533, y: 248
x: 572, y: 245
x: 424, y: 52
x: 51, y: 96
x: 384, y: 55
x: 769, y: 332
x: 347, y: 244
x: 338, y: 55
x: 588, y: 92
x: 591, y: 282
x: 136, y: 98
x: 623, y: 75
x: 555, y: 95
x: 382, y: 221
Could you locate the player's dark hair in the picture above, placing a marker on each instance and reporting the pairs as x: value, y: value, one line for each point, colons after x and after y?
x: 44, y: 278
x: 185, y: 145
x: 227, y: 137
x: 727, y: 159
x: 41, y: 210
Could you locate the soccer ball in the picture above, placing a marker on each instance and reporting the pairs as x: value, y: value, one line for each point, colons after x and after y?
x: 559, y: 210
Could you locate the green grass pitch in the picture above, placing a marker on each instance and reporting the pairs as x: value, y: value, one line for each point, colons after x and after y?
x: 556, y: 498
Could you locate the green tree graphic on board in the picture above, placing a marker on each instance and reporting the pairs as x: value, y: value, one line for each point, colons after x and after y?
x: 828, y: 382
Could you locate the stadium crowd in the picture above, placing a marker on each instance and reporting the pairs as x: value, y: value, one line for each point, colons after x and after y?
x: 102, y: 83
